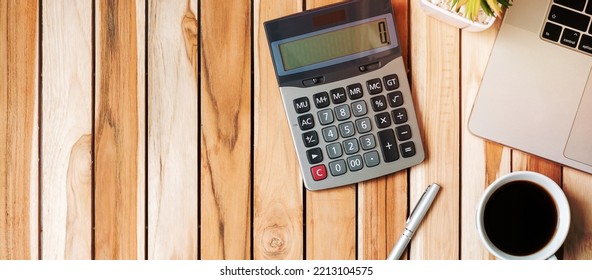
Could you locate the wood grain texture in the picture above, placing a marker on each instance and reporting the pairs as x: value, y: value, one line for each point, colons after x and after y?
x: 522, y: 161
x: 67, y: 130
x: 330, y: 214
x: 397, y: 204
x: 118, y: 121
x: 141, y: 105
x: 19, y: 129
x: 382, y: 202
x: 435, y: 75
x: 578, y: 189
x: 278, y: 191
x: 482, y: 161
x: 172, y: 130
x: 225, y: 96
x: 372, y: 215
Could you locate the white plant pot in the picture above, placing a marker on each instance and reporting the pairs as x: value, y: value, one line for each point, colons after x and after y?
x: 454, y: 19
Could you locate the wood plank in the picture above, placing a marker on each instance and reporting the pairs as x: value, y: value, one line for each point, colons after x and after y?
x: 19, y: 153
x: 397, y: 205
x: 67, y: 130
x: 372, y: 215
x: 225, y: 96
x: 577, y: 187
x: 522, y: 161
x: 278, y: 200
x: 172, y: 130
x: 435, y: 86
x: 118, y: 121
x: 382, y: 209
x: 482, y: 161
x: 141, y: 106
x: 330, y: 214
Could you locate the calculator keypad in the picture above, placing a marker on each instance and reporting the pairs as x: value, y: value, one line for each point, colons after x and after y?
x: 350, y: 146
x: 365, y: 127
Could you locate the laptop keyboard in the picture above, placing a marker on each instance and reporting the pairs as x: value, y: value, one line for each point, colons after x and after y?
x: 568, y: 24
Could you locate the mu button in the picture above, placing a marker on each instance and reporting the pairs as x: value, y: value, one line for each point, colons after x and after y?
x: 319, y: 172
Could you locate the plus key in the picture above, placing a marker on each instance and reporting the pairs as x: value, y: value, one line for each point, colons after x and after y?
x: 388, y: 145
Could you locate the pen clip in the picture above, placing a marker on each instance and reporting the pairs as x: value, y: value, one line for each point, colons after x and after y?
x: 415, y: 207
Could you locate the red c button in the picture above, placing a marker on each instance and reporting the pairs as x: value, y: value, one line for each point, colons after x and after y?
x: 319, y: 172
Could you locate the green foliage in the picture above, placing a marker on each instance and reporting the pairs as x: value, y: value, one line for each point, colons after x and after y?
x: 473, y: 7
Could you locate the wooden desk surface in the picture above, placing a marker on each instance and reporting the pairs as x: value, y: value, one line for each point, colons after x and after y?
x: 154, y: 129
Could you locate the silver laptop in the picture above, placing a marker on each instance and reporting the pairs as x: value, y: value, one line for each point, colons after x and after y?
x: 536, y: 93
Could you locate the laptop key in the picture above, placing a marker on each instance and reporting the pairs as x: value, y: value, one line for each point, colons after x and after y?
x: 585, y: 44
x: 570, y: 38
x: 574, y: 4
x: 569, y: 18
x: 552, y: 31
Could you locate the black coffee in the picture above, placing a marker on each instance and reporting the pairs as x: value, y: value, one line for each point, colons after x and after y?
x: 520, y: 218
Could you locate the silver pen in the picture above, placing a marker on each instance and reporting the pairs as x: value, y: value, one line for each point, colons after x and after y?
x: 414, y: 220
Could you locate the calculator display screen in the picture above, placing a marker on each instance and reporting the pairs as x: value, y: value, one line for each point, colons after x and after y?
x: 334, y: 45
x: 339, y: 43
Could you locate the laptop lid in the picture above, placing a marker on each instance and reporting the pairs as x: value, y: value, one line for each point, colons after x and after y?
x: 532, y: 88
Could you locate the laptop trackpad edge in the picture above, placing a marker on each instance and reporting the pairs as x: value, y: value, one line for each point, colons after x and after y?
x: 579, y: 144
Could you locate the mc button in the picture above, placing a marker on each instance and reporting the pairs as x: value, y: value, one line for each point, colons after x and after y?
x: 374, y: 86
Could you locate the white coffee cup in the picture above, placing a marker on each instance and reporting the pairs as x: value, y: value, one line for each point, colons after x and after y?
x: 562, y: 223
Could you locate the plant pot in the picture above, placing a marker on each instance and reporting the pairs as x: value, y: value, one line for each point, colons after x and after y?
x: 455, y: 19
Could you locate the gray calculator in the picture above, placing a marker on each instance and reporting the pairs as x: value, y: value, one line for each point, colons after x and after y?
x: 345, y: 91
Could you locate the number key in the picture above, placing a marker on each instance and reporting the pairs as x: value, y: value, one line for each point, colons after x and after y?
x: 363, y: 125
x: 368, y: 142
x: 337, y: 167
x: 351, y: 146
x: 359, y: 108
x: 355, y: 163
x: 330, y: 133
x: 346, y: 129
x: 342, y: 112
x: 325, y: 116
x: 334, y: 150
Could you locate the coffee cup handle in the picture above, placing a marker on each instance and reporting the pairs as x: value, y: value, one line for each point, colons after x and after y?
x: 552, y: 258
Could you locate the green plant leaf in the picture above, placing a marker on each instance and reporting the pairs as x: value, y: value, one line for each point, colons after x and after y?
x: 486, y: 8
x: 505, y: 3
